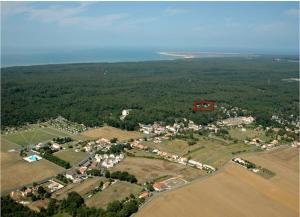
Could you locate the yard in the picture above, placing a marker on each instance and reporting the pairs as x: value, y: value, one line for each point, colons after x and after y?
x: 16, y: 172
x: 108, y: 132
x: 71, y: 156
x: 116, y: 191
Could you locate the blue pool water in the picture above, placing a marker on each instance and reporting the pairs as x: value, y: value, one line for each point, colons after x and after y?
x: 33, y: 158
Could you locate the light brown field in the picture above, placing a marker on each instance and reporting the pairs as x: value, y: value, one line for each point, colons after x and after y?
x: 148, y: 169
x: 16, y: 172
x: 71, y: 156
x: 111, y: 132
x: 116, y: 191
x: 81, y: 188
x: 236, y: 192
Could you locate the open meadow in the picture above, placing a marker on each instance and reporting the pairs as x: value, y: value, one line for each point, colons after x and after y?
x: 237, y: 133
x: 176, y: 146
x: 16, y: 172
x: 108, y: 132
x: 235, y: 191
x: 145, y: 169
x: 116, y: 191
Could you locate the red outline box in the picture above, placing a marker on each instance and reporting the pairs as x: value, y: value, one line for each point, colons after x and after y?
x: 198, y: 106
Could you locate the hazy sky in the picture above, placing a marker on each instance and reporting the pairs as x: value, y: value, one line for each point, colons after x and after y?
x: 235, y: 25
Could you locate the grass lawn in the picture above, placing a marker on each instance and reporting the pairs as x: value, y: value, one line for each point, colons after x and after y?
x: 16, y: 172
x: 108, y: 132
x: 81, y: 188
x: 236, y: 133
x: 71, y: 156
x: 116, y: 191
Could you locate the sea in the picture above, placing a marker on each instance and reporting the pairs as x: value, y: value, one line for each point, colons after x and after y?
x: 92, y: 55
x: 17, y: 57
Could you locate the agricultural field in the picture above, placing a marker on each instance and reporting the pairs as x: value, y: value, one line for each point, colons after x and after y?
x: 108, y: 132
x: 149, y: 169
x: 235, y: 191
x: 216, y: 153
x: 213, y: 151
x: 81, y: 188
x: 71, y: 156
x: 16, y: 172
x: 116, y: 191
x: 237, y: 133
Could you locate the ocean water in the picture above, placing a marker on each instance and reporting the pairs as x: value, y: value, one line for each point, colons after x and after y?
x: 24, y: 58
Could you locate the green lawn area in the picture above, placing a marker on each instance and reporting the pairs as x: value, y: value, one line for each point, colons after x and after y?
x: 237, y: 133
x: 35, y: 135
x: 70, y: 155
x: 116, y: 191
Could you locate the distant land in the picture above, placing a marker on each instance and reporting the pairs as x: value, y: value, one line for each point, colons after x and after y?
x: 189, y: 55
x: 112, y: 55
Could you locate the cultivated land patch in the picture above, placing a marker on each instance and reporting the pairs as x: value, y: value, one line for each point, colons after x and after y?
x: 81, y: 188
x: 108, y: 132
x: 71, y: 156
x: 116, y: 191
x: 146, y: 169
x: 16, y: 172
x: 236, y: 192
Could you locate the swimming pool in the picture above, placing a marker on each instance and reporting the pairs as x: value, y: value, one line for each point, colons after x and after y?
x: 32, y: 158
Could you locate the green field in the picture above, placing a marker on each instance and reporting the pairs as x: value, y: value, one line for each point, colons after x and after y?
x: 71, y: 156
x: 116, y: 191
x: 34, y: 135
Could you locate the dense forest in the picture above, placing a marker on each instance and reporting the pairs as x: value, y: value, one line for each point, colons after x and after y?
x: 94, y: 94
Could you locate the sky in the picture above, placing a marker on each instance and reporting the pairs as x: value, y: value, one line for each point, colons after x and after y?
x: 230, y: 26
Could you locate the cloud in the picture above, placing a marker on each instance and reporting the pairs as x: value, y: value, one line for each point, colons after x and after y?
x: 270, y: 27
x: 175, y: 11
x: 292, y: 12
x: 97, y: 21
x: 62, y: 15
